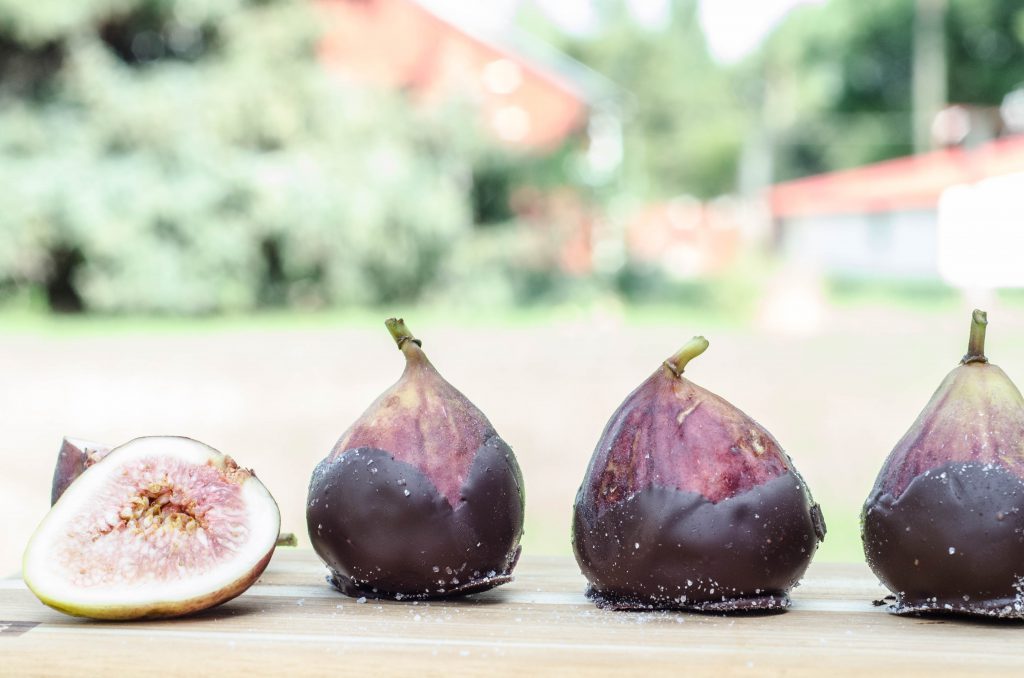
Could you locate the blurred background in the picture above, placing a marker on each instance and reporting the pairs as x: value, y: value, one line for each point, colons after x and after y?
x: 208, y: 209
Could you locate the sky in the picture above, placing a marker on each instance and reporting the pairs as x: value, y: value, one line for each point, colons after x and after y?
x: 734, y: 28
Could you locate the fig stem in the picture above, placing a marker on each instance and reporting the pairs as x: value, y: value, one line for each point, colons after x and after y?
x: 400, y: 333
x: 287, y: 539
x: 693, y: 348
x: 976, y: 343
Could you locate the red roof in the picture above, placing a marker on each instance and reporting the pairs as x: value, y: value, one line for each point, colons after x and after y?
x: 910, y: 183
x: 402, y: 44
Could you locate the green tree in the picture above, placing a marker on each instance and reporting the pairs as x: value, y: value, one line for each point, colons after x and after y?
x: 837, y: 78
x: 985, y: 50
x: 684, y: 116
x: 189, y: 156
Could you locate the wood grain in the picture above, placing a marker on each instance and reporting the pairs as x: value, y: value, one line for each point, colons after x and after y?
x: 291, y: 623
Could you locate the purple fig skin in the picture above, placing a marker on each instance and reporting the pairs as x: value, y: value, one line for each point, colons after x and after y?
x: 420, y: 498
x: 688, y: 503
x: 943, y: 527
x: 667, y: 428
x: 74, y: 457
x: 424, y: 421
x: 976, y: 415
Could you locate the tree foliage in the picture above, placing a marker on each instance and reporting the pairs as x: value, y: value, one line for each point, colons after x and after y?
x: 186, y: 156
x: 830, y: 88
x: 838, y: 77
x: 684, y: 115
x: 190, y: 156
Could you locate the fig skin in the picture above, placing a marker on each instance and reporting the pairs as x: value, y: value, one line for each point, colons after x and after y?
x: 690, y: 504
x: 74, y: 457
x: 420, y: 498
x: 168, y: 597
x: 943, y: 526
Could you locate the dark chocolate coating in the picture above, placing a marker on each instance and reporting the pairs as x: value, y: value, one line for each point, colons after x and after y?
x: 384, y: 530
x: 952, y: 542
x: 662, y: 548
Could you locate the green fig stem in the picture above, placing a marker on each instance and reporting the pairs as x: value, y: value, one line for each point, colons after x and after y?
x: 287, y: 539
x: 400, y: 333
x: 693, y: 348
x: 976, y: 344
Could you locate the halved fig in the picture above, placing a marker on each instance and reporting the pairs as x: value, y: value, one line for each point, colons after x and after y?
x: 164, y: 527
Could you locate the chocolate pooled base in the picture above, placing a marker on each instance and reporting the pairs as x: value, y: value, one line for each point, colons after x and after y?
x: 384, y: 531
x: 952, y: 542
x: 666, y: 549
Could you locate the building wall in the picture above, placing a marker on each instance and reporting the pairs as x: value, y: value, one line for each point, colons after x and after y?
x: 887, y: 245
x: 685, y: 237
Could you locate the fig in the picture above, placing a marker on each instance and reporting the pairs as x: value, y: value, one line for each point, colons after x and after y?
x: 943, y: 526
x: 74, y: 457
x: 163, y: 527
x: 420, y: 498
x: 690, y: 504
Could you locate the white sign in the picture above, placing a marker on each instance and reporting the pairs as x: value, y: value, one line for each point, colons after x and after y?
x: 981, y: 233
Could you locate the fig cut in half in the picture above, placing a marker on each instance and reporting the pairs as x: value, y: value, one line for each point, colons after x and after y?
x: 164, y: 527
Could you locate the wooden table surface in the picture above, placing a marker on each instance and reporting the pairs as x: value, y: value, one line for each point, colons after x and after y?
x: 291, y: 623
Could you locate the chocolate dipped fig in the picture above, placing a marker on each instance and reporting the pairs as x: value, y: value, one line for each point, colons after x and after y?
x: 420, y: 498
x: 690, y: 504
x: 943, y: 527
x: 162, y: 527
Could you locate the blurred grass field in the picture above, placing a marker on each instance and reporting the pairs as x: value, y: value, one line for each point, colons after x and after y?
x: 276, y: 390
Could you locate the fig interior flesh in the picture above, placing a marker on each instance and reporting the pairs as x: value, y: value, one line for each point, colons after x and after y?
x: 688, y: 503
x: 943, y: 527
x: 163, y: 527
x: 76, y: 455
x: 420, y: 497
